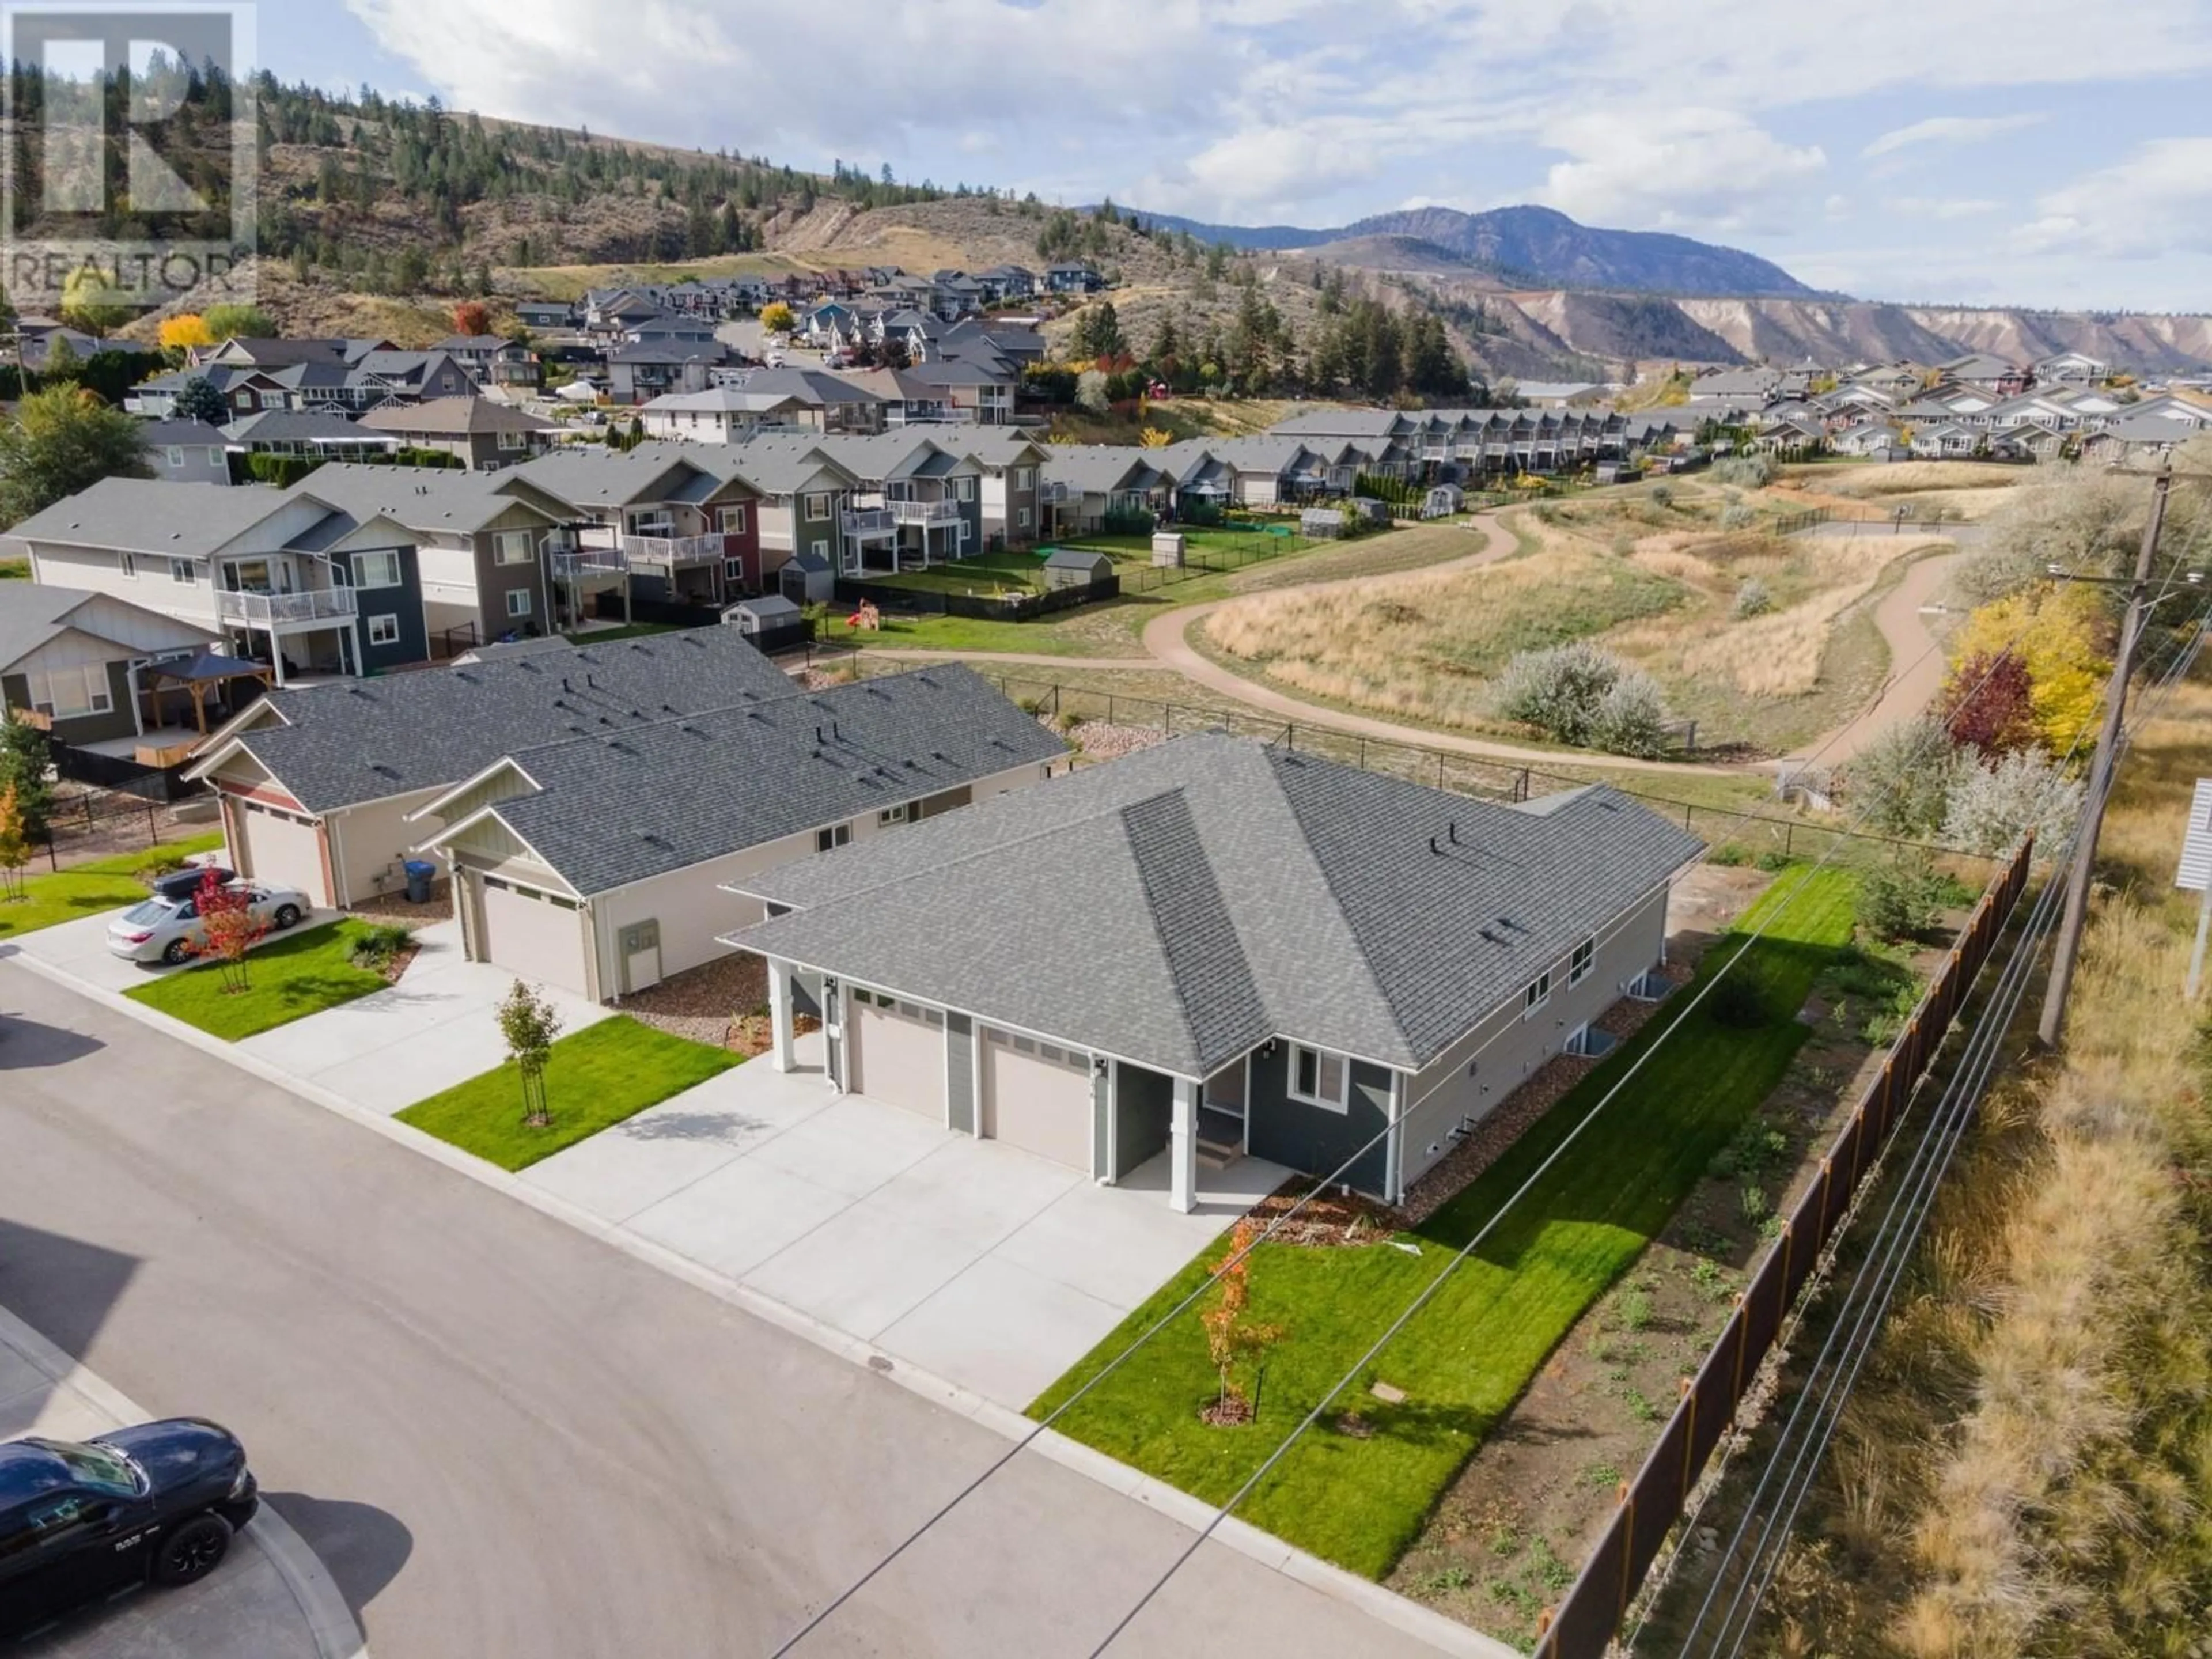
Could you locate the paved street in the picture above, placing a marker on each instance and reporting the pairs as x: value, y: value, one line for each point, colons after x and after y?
x: 504, y: 1436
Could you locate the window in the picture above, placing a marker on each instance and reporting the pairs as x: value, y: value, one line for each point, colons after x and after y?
x: 518, y: 601
x: 1022, y: 517
x: 383, y: 630
x: 513, y: 439
x: 733, y: 570
x: 511, y: 547
x: 821, y: 551
x: 1538, y: 993
x: 128, y: 565
x: 836, y: 836
x: 815, y: 507
x: 176, y: 453
x: 180, y: 570
x: 962, y: 538
x: 1025, y: 478
x: 1316, y: 1077
x: 1585, y: 959
x: 733, y: 519
x: 892, y: 815
x: 964, y: 489
x: 379, y: 569
x: 62, y: 692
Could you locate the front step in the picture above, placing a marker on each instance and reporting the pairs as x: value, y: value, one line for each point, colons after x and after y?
x: 1216, y: 1156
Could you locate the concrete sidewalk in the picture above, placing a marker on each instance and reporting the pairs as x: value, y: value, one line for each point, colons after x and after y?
x: 270, y: 1598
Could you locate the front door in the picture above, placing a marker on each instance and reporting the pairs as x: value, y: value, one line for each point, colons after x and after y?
x: 1223, y: 1107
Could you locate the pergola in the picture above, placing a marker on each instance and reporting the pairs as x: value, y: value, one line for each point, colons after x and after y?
x: 199, y: 674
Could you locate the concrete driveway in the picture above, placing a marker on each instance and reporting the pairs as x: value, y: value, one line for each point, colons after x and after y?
x: 981, y: 1263
x: 79, y: 948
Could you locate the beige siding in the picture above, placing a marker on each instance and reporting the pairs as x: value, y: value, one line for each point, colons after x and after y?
x: 145, y: 631
x: 493, y: 846
x: 70, y: 566
x: 1506, y: 1049
x: 372, y: 837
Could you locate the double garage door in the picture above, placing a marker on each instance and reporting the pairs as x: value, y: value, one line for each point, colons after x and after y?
x: 1036, y: 1096
x: 281, y: 849
x: 536, y: 936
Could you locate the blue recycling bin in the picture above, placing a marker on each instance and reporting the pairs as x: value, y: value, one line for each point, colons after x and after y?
x: 420, y: 874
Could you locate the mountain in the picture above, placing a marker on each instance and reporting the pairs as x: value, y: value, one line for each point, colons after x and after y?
x: 1537, y: 244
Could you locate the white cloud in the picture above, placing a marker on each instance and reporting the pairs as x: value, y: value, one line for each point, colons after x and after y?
x: 1943, y: 207
x: 2157, y: 202
x: 1950, y: 130
x: 1702, y: 168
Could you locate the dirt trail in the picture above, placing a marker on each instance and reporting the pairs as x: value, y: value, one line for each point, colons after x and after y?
x: 1915, y: 667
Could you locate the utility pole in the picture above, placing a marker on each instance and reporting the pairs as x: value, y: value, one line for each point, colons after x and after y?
x: 2053, y: 1021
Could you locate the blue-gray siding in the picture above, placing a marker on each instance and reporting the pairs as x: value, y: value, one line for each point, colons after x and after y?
x: 1314, y: 1138
x: 960, y: 1073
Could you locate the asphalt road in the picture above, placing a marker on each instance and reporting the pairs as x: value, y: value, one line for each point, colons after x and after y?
x: 506, y: 1438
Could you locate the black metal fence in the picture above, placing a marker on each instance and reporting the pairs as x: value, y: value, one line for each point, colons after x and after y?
x: 160, y: 784
x: 785, y: 636
x: 1582, y: 1626
x: 1014, y: 607
x: 670, y: 613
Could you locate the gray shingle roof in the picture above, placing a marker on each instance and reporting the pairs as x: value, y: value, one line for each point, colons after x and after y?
x: 1341, y: 424
x: 454, y: 416
x: 592, y: 475
x: 152, y: 515
x: 425, y: 498
x: 620, y: 806
x: 363, y: 741
x: 1175, y: 907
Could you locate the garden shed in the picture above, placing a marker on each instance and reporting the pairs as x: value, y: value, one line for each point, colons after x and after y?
x: 763, y: 615
x: 1442, y: 500
x: 807, y: 579
x: 1321, y: 523
x: 1076, y: 567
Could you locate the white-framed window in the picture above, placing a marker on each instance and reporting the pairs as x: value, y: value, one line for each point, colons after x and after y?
x: 836, y: 836
x: 180, y: 570
x: 732, y: 521
x: 215, y: 456
x: 963, y: 488
x: 893, y: 814
x: 247, y: 400
x: 815, y: 507
x: 1025, y: 478
x: 1317, y: 1077
x: 518, y: 601
x: 820, y: 550
x: 128, y: 564
x: 377, y: 569
x: 514, y: 439
x: 383, y: 630
x: 733, y: 570
x: 176, y: 452
x: 1585, y: 959
x: 1538, y: 993
x: 63, y: 692
x: 511, y: 547
x: 1022, y: 517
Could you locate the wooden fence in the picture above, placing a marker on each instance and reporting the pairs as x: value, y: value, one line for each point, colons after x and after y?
x: 1582, y: 1624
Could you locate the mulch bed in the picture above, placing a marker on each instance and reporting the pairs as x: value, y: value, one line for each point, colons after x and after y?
x: 716, y: 1003
x: 1327, y: 1218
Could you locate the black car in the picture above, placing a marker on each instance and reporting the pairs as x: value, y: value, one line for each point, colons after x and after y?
x: 79, y: 1519
x: 183, y: 884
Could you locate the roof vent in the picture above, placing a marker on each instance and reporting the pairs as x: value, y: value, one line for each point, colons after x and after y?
x: 565, y: 685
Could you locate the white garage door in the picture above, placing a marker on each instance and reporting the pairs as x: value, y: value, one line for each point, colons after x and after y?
x: 533, y: 935
x: 1036, y: 1096
x: 283, y: 850
x: 897, y: 1053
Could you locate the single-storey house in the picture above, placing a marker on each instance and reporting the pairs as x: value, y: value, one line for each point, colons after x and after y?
x: 482, y: 433
x: 71, y: 660
x: 599, y: 861
x: 1217, y: 942
x: 317, y: 783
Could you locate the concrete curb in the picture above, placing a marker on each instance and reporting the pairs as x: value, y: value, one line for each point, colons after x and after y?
x: 1385, y: 1606
x: 328, y: 1620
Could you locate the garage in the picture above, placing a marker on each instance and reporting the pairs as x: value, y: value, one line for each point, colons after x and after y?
x: 1036, y: 1096
x: 537, y: 935
x: 281, y: 849
x: 897, y: 1053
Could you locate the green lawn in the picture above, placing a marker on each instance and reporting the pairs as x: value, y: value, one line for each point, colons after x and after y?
x: 1465, y: 1358
x: 290, y: 978
x: 597, y: 1077
x: 85, y: 889
x: 984, y: 575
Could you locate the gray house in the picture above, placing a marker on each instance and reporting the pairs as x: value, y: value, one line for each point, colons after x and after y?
x: 71, y: 660
x: 1216, y: 943
x: 186, y: 452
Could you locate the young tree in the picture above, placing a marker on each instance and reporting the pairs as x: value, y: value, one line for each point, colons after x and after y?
x: 228, y: 929
x: 1992, y: 807
x: 14, y: 844
x: 185, y: 329
x: 777, y: 318
x: 1989, y: 703
x: 230, y: 321
x: 472, y: 317
x: 529, y: 1022
x: 61, y: 441
x: 1901, y: 780
x: 199, y: 400
x: 1584, y: 694
x: 24, y: 760
x: 2061, y: 635
x: 1231, y: 1337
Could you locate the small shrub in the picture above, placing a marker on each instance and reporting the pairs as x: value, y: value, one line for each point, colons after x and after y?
x: 1710, y: 1280
x: 1069, y: 720
x: 1443, y: 1580
x: 1754, y: 1203
x: 1632, y: 719
x: 1754, y: 1149
x: 1555, y: 1574
x: 161, y: 861
x: 1662, y: 496
x: 1583, y: 695
x: 1988, y: 809
x: 1635, y: 1308
x: 1730, y: 855
x: 1623, y: 544
x: 1752, y: 599
x: 1750, y: 472
x: 1899, y: 900
x: 1773, y: 861
x: 1640, y: 1406
x: 378, y: 944
x: 1602, y: 1477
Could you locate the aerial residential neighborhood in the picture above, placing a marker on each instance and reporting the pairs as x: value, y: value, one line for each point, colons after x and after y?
x: 758, y: 903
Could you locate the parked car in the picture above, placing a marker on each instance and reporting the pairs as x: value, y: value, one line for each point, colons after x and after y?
x: 164, y: 930
x: 183, y: 884
x: 80, y: 1519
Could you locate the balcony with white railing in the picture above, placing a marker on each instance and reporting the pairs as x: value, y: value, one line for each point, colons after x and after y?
x: 868, y: 521
x: 926, y: 513
x: 671, y: 549
x: 323, y: 607
x: 573, y: 563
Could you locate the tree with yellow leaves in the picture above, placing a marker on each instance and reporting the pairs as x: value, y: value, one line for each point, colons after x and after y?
x: 2064, y: 634
x: 1152, y: 437
x: 185, y: 329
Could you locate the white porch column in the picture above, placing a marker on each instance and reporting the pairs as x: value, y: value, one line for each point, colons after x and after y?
x: 1182, y: 1149
x: 779, y: 1017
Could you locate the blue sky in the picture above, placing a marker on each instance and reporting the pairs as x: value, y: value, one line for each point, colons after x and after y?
x: 2029, y: 152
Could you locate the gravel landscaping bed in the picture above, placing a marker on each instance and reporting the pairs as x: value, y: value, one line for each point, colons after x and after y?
x: 394, y: 907
x: 705, y: 1003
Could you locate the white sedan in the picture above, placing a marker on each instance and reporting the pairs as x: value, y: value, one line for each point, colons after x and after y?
x: 167, y: 930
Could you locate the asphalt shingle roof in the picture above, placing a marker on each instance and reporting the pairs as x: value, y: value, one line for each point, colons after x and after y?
x: 426, y: 499
x: 620, y: 806
x: 363, y: 741
x: 1175, y: 907
x: 152, y: 515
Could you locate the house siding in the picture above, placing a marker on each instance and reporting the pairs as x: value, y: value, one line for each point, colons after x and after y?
x: 1144, y: 1116
x: 404, y: 602
x: 15, y: 693
x: 372, y: 837
x: 1312, y: 1137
